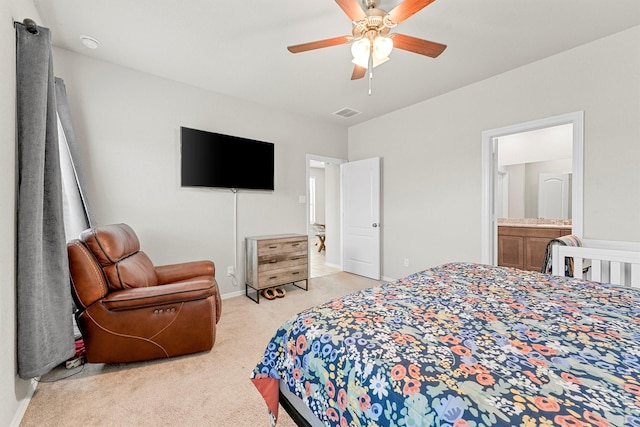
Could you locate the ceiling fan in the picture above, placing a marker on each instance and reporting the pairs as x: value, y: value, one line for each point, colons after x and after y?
x: 371, y: 39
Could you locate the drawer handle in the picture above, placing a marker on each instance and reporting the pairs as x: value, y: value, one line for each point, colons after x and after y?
x: 273, y: 247
x: 295, y: 272
x: 293, y: 259
x: 273, y: 261
x: 295, y: 244
x: 273, y: 277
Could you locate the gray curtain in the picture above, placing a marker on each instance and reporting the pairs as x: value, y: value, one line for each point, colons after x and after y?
x: 44, y: 306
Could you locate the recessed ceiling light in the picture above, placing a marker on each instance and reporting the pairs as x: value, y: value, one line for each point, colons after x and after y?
x: 89, y: 42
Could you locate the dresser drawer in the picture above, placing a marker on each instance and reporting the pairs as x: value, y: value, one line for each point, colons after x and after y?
x: 280, y: 276
x: 280, y: 246
x: 278, y: 261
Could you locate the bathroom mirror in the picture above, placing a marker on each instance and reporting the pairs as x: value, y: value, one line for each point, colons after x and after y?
x: 534, y: 174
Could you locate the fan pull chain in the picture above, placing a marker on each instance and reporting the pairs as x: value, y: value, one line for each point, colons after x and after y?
x: 370, y: 70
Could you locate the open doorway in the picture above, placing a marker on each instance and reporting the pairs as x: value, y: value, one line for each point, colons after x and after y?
x: 493, y: 179
x: 323, y: 214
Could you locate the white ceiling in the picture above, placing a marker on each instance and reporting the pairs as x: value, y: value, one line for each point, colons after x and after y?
x: 238, y: 48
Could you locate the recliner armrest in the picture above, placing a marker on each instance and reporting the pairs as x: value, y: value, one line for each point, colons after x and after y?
x: 176, y: 272
x: 174, y: 293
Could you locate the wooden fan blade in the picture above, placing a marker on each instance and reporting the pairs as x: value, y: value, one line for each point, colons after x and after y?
x: 353, y: 9
x: 407, y: 8
x: 358, y: 72
x: 416, y: 45
x: 335, y: 41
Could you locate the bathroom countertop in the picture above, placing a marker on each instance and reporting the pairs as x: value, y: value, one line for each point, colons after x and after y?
x: 534, y: 222
x: 529, y: 225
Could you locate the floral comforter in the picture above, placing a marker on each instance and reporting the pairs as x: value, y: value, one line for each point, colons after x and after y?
x: 464, y: 345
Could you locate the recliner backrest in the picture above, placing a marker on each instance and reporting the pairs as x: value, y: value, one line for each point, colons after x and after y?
x: 88, y: 281
x: 117, y: 249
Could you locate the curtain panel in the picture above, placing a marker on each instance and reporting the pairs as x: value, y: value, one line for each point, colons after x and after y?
x: 44, y: 306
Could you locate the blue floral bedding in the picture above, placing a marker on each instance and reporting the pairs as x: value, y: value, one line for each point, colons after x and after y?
x: 464, y: 345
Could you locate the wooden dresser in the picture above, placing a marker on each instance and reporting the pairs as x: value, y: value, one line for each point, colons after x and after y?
x: 276, y: 260
x: 523, y: 247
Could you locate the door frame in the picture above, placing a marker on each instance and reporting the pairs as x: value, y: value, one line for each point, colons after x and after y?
x: 489, y: 228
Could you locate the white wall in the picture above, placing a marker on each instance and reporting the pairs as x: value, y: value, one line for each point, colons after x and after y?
x: 432, y: 151
x: 128, y: 125
x: 14, y: 392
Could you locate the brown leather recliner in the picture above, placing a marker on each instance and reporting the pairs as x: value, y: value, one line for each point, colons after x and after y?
x: 129, y: 310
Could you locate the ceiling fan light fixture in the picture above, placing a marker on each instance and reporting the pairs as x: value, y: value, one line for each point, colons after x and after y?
x: 360, y: 50
x: 382, y: 47
x: 378, y: 61
x: 364, y: 62
x: 361, y: 63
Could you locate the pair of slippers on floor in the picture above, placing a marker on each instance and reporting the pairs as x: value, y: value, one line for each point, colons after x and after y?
x: 273, y: 293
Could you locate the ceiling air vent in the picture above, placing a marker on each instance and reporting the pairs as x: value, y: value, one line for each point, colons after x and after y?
x: 346, y: 112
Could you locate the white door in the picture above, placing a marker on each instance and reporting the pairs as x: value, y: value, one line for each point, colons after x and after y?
x: 361, y: 217
x: 553, y: 195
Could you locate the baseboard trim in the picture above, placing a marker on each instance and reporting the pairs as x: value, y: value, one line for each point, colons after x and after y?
x: 232, y: 294
x: 24, y: 404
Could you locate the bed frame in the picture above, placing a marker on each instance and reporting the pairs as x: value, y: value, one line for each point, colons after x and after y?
x: 600, y: 265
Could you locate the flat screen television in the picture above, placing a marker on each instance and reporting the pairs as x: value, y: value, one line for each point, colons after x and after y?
x: 210, y: 159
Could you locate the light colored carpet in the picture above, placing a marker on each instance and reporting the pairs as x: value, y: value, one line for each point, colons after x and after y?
x: 205, y: 389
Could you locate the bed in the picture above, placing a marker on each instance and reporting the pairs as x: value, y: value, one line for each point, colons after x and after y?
x: 461, y: 344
